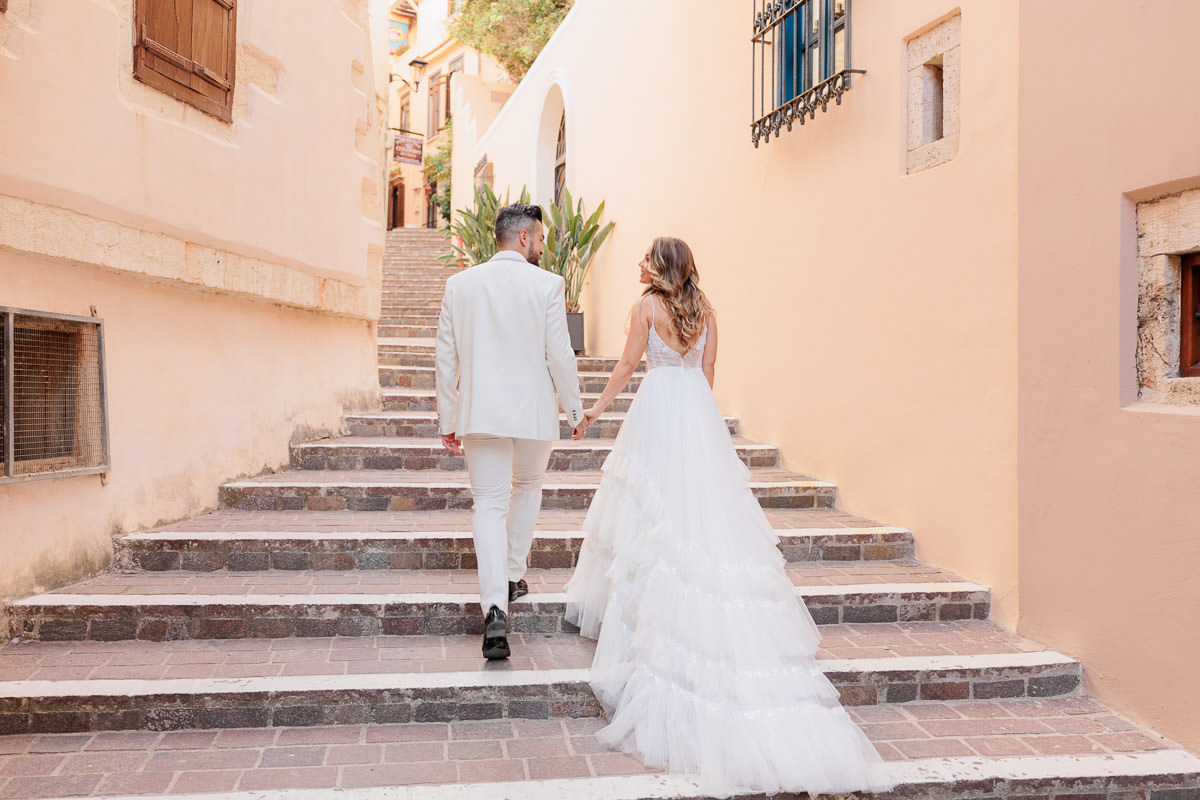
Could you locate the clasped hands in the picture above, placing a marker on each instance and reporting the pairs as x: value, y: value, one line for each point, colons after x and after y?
x: 452, y: 443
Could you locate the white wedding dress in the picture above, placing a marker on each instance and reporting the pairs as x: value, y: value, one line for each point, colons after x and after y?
x: 705, y: 660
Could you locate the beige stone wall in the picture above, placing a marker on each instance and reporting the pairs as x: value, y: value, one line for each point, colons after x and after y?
x: 868, y: 316
x: 202, y: 388
x: 236, y: 265
x: 1110, y: 540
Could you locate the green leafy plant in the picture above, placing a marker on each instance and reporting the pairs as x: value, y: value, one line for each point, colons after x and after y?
x: 511, y: 31
x: 572, y: 240
x: 474, y: 229
x: 436, y: 168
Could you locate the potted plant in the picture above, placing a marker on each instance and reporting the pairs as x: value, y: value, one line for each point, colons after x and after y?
x: 572, y: 240
x: 474, y: 229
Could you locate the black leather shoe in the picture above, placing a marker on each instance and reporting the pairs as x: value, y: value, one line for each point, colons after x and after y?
x: 495, y: 635
x: 517, y: 589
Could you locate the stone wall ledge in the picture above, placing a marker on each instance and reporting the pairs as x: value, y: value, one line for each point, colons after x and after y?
x: 59, y: 233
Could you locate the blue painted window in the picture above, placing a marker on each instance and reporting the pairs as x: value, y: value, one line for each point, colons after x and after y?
x: 810, y: 46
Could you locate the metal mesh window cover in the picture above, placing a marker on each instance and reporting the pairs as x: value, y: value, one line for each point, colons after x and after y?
x: 53, y: 407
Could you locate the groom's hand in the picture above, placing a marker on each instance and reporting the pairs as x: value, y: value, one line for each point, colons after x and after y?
x: 452, y: 444
x: 580, y: 430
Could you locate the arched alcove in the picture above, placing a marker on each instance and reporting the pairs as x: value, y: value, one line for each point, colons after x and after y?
x: 550, y: 158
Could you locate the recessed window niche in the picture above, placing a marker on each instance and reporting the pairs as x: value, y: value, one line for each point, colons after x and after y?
x: 1168, y: 333
x: 933, y: 94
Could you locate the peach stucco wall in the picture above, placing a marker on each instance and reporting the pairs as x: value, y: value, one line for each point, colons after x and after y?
x: 868, y: 318
x: 201, y: 389
x: 1110, y: 537
x: 236, y: 266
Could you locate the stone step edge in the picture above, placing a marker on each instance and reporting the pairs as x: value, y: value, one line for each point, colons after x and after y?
x: 1170, y: 767
x: 407, y: 443
x: 432, y: 416
x: 405, y: 391
x: 532, y: 601
x: 550, y: 485
x: 382, y: 682
x: 232, y: 536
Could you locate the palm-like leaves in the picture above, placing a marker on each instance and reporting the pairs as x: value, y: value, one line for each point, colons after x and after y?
x: 475, y: 229
x: 572, y: 240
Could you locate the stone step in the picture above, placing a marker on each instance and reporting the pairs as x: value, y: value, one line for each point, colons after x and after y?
x: 400, y: 356
x: 406, y: 399
x: 453, y: 548
x: 441, y: 539
x: 409, y: 317
x: 424, y: 378
x: 156, y: 606
x: 371, y: 453
x: 424, y: 424
x: 432, y: 490
x: 132, y: 685
x: 557, y: 758
x: 398, y: 330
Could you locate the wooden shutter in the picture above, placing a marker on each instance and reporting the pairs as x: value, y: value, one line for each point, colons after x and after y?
x: 1189, y: 327
x: 186, y: 48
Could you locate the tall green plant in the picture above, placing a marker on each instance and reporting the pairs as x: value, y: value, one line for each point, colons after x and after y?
x: 474, y: 229
x: 572, y: 240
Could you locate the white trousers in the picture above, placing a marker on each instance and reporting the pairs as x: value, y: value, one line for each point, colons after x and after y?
x: 506, y: 485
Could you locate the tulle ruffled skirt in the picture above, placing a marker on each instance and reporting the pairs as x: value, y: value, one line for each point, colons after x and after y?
x: 705, y: 659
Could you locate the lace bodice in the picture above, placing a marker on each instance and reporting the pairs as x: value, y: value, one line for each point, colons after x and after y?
x: 661, y: 354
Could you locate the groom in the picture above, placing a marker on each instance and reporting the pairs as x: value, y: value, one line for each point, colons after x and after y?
x: 502, y: 354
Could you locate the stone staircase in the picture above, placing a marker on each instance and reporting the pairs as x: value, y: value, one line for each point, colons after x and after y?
x: 321, y: 631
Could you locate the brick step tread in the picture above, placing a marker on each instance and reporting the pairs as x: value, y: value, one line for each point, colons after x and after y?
x: 409, y: 343
x: 860, y: 646
x: 411, y: 453
x: 425, y: 443
x: 939, y: 747
x: 384, y: 693
x: 227, y: 605
x: 765, y: 477
x: 365, y: 523
x: 445, y: 549
x: 811, y: 579
x: 420, y: 417
x: 426, y: 359
x: 434, y: 489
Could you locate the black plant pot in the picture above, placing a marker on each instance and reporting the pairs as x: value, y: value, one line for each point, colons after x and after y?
x: 575, y: 329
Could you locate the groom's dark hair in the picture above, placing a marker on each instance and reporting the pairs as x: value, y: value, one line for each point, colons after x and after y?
x: 512, y: 218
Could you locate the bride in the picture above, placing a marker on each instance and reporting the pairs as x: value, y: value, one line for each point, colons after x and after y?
x: 705, y: 660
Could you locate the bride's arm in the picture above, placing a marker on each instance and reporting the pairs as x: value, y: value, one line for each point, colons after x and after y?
x: 708, y: 361
x: 635, y: 348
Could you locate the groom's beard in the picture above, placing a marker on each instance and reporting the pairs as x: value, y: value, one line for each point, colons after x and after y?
x: 533, y: 258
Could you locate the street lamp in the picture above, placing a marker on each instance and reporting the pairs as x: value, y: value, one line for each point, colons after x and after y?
x: 417, y: 66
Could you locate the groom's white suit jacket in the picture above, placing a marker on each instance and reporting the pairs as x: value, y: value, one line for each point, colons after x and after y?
x: 503, y: 352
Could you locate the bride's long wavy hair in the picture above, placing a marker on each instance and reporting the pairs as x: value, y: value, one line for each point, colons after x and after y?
x: 674, y: 278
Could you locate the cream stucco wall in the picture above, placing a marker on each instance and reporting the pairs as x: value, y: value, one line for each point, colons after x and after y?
x: 236, y: 266
x: 1110, y: 538
x: 868, y: 317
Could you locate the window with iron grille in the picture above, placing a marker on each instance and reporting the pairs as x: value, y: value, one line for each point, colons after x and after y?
x: 53, y: 408
x: 560, y: 161
x: 801, y: 52
x: 186, y: 48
